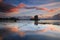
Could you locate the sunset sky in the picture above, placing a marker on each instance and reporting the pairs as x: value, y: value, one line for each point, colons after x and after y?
x: 49, y: 4
x: 31, y: 2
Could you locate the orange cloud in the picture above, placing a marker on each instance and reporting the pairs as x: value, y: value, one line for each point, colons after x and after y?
x: 14, y: 10
x: 7, y: 8
x: 41, y: 8
x: 1, y: 1
x: 21, y: 5
x: 54, y: 10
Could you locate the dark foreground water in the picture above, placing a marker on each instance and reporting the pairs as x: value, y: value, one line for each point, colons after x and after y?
x: 36, y: 32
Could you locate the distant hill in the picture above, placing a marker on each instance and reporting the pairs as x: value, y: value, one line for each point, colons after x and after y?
x: 24, y: 17
x: 48, y: 17
x: 56, y: 17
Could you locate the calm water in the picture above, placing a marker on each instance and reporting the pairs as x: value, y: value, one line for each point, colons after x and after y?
x: 40, y: 31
